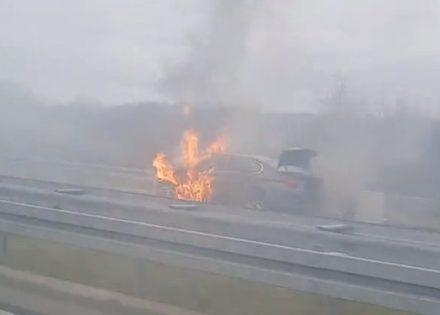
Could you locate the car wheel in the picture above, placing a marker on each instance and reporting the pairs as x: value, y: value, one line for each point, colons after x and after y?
x: 164, y: 190
x: 255, y: 205
x: 255, y: 199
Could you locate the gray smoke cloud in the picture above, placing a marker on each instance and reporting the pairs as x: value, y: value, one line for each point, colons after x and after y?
x: 212, y: 71
x: 368, y: 71
x: 277, y: 55
x: 290, y: 55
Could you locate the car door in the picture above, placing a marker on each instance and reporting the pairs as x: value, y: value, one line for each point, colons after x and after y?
x: 233, y: 176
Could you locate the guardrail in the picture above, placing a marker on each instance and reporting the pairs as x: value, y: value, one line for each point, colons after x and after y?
x: 398, y: 286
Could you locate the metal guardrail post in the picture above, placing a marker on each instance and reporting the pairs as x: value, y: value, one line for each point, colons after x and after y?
x: 3, y: 246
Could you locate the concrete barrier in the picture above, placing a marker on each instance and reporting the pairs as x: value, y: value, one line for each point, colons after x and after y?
x: 399, y: 210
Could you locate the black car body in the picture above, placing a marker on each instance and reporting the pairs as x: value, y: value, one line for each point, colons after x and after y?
x: 263, y: 183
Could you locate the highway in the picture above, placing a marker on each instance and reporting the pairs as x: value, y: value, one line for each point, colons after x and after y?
x: 276, y: 228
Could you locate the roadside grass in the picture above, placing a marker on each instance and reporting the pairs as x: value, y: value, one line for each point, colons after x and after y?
x: 200, y: 291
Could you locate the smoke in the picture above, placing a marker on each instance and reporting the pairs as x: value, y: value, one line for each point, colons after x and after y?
x: 243, y: 57
x: 211, y: 72
x: 276, y: 55
x: 358, y: 82
x: 287, y: 55
x: 295, y: 56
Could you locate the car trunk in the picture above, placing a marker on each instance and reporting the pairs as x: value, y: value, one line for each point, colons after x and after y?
x: 296, y: 164
x: 296, y: 158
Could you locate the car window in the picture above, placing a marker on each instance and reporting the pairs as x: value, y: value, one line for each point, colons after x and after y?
x: 217, y: 162
x: 242, y: 164
x: 232, y: 163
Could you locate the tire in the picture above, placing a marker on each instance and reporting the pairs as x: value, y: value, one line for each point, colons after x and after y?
x: 255, y: 199
x: 164, y: 190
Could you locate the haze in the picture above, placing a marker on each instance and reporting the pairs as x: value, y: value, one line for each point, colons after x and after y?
x: 275, y: 55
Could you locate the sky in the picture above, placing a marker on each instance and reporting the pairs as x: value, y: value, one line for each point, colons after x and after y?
x: 284, y: 55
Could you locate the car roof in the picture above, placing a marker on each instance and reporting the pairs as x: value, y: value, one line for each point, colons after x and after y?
x: 299, y: 149
x: 262, y: 159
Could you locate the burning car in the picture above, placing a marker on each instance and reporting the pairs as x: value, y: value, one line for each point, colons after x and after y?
x: 256, y: 182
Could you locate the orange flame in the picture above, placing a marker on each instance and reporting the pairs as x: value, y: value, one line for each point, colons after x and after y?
x: 195, y: 184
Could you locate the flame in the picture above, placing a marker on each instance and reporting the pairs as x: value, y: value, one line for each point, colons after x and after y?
x: 164, y: 170
x: 195, y: 184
